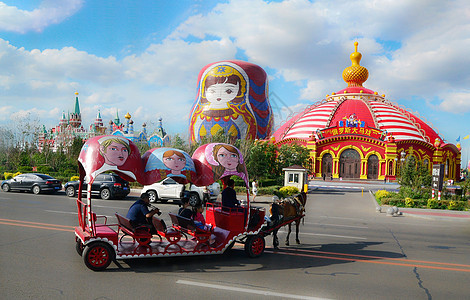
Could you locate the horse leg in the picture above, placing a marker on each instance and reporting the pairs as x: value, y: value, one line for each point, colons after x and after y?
x: 288, y: 234
x: 275, y: 239
x: 297, y: 225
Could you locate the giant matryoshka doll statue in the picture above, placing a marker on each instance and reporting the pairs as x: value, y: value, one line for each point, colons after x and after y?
x: 232, y: 96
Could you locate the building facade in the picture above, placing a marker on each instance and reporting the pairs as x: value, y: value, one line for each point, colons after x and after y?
x: 357, y: 133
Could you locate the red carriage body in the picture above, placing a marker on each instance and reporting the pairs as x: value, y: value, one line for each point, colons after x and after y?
x: 100, y: 241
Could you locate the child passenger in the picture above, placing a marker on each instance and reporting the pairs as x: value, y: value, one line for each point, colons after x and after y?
x: 198, y: 217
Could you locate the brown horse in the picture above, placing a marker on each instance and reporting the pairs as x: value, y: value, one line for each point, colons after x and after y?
x: 287, y: 209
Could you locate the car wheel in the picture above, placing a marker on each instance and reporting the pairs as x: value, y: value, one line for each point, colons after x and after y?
x: 105, y: 194
x: 194, y: 199
x: 98, y: 256
x: 36, y: 189
x: 6, y: 187
x: 153, y: 197
x: 70, y: 191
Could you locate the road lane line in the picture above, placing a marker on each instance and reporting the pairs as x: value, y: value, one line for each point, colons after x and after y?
x: 62, y: 212
x: 35, y: 226
x: 244, y: 290
x: 379, y: 257
x: 329, y: 235
x: 371, y: 262
x: 337, y: 225
x: 35, y: 223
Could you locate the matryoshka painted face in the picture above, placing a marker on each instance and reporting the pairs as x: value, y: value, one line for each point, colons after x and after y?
x: 227, y: 159
x: 116, y: 154
x: 220, y: 94
x: 174, y: 162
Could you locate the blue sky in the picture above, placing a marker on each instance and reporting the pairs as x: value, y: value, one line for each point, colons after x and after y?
x: 143, y: 57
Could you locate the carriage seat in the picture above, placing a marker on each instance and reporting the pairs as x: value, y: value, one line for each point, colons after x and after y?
x: 140, y: 234
x: 172, y: 235
x: 188, y: 226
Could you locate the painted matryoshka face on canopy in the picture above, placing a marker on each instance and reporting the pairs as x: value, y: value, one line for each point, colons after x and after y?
x: 220, y: 94
x: 175, y: 163
x: 227, y: 159
x: 115, y: 154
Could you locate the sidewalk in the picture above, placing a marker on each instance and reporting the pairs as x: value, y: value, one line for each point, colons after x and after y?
x: 435, y: 213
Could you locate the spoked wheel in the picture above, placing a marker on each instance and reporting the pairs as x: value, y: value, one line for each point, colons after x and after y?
x: 254, y: 245
x: 70, y: 191
x: 194, y: 199
x: 36, y: 189
x: 79, y: 247
x: 105, y: 194
x: 6, y: 187
x: 97, y: 256
x: 153, y: 197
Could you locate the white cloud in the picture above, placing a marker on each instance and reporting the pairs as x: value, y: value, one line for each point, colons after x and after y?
x: 300, y: 41
x: 49, y: 12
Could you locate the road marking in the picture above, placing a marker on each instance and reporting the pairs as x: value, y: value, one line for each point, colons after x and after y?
x: 244, y: 290
x: 37, y: 225
x: 330, y: 235
x: 62, y: 212
x: 380, y: 260
x: 342, y: 218
x: 337, y: 225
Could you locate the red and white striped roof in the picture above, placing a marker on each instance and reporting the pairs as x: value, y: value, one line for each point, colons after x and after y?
x: 376, y: 111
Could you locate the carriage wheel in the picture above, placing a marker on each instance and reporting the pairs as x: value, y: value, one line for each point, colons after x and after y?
x: 79, y: 247
x: 254, y: 245
x: 98, y: 256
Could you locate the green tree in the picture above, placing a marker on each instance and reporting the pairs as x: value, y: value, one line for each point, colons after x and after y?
x: 413, y: 176
x: 293, y: 154
x: 261, y: 160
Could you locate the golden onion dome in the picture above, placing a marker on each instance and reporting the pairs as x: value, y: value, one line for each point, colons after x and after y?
x: 355, y: 75
x: 127, y: 116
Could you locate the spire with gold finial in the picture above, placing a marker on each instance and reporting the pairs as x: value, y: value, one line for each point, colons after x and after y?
x: 355, y: 75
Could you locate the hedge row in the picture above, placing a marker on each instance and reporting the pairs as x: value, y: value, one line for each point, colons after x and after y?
x: 426, y: 203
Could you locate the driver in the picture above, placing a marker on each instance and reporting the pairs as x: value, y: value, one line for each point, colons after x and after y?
x: 139, y: 214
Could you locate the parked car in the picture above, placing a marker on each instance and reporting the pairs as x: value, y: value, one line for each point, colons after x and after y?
x: 32, y: 182
x: 170, y: 189
x: 106, y: 185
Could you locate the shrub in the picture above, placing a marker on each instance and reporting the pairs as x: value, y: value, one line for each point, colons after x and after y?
x: 74, y: 178
x: 380, y: 194
x: 457, y: 205
x: 287, y: 191
x: 8, y: 175
x: 432, y: 203
x: 409, y: 202
x: 45, y: 169
x: 25, y: 169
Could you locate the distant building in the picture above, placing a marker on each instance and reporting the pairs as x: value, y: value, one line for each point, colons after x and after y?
x: 356, y: 133
x: 70, y: 127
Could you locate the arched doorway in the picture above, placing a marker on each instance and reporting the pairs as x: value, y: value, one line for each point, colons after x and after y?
x: 373, y: 167
x: 350, y: 164
x: 327, y: 165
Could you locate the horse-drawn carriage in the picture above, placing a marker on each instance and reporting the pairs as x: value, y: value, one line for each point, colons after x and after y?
x: 100, y: 241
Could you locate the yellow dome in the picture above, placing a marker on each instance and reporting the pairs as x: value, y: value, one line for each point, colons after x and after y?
x: 355, y: 75
x: 127, y: 116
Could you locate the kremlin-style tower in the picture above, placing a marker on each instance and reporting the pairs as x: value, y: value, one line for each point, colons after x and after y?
x: 70, y: 127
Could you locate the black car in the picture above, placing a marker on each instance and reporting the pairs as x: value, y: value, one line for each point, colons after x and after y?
x: 106, y: 185
x: 33, y: 182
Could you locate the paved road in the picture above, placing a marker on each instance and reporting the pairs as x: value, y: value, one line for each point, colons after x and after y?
x: 348, y: 251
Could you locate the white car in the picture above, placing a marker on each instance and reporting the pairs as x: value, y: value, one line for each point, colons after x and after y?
x: 170, y: 189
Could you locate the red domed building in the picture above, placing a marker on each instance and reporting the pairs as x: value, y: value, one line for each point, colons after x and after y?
x: 356, y: 133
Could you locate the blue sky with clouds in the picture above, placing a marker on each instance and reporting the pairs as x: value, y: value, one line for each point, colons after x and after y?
x: 143, y: 57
